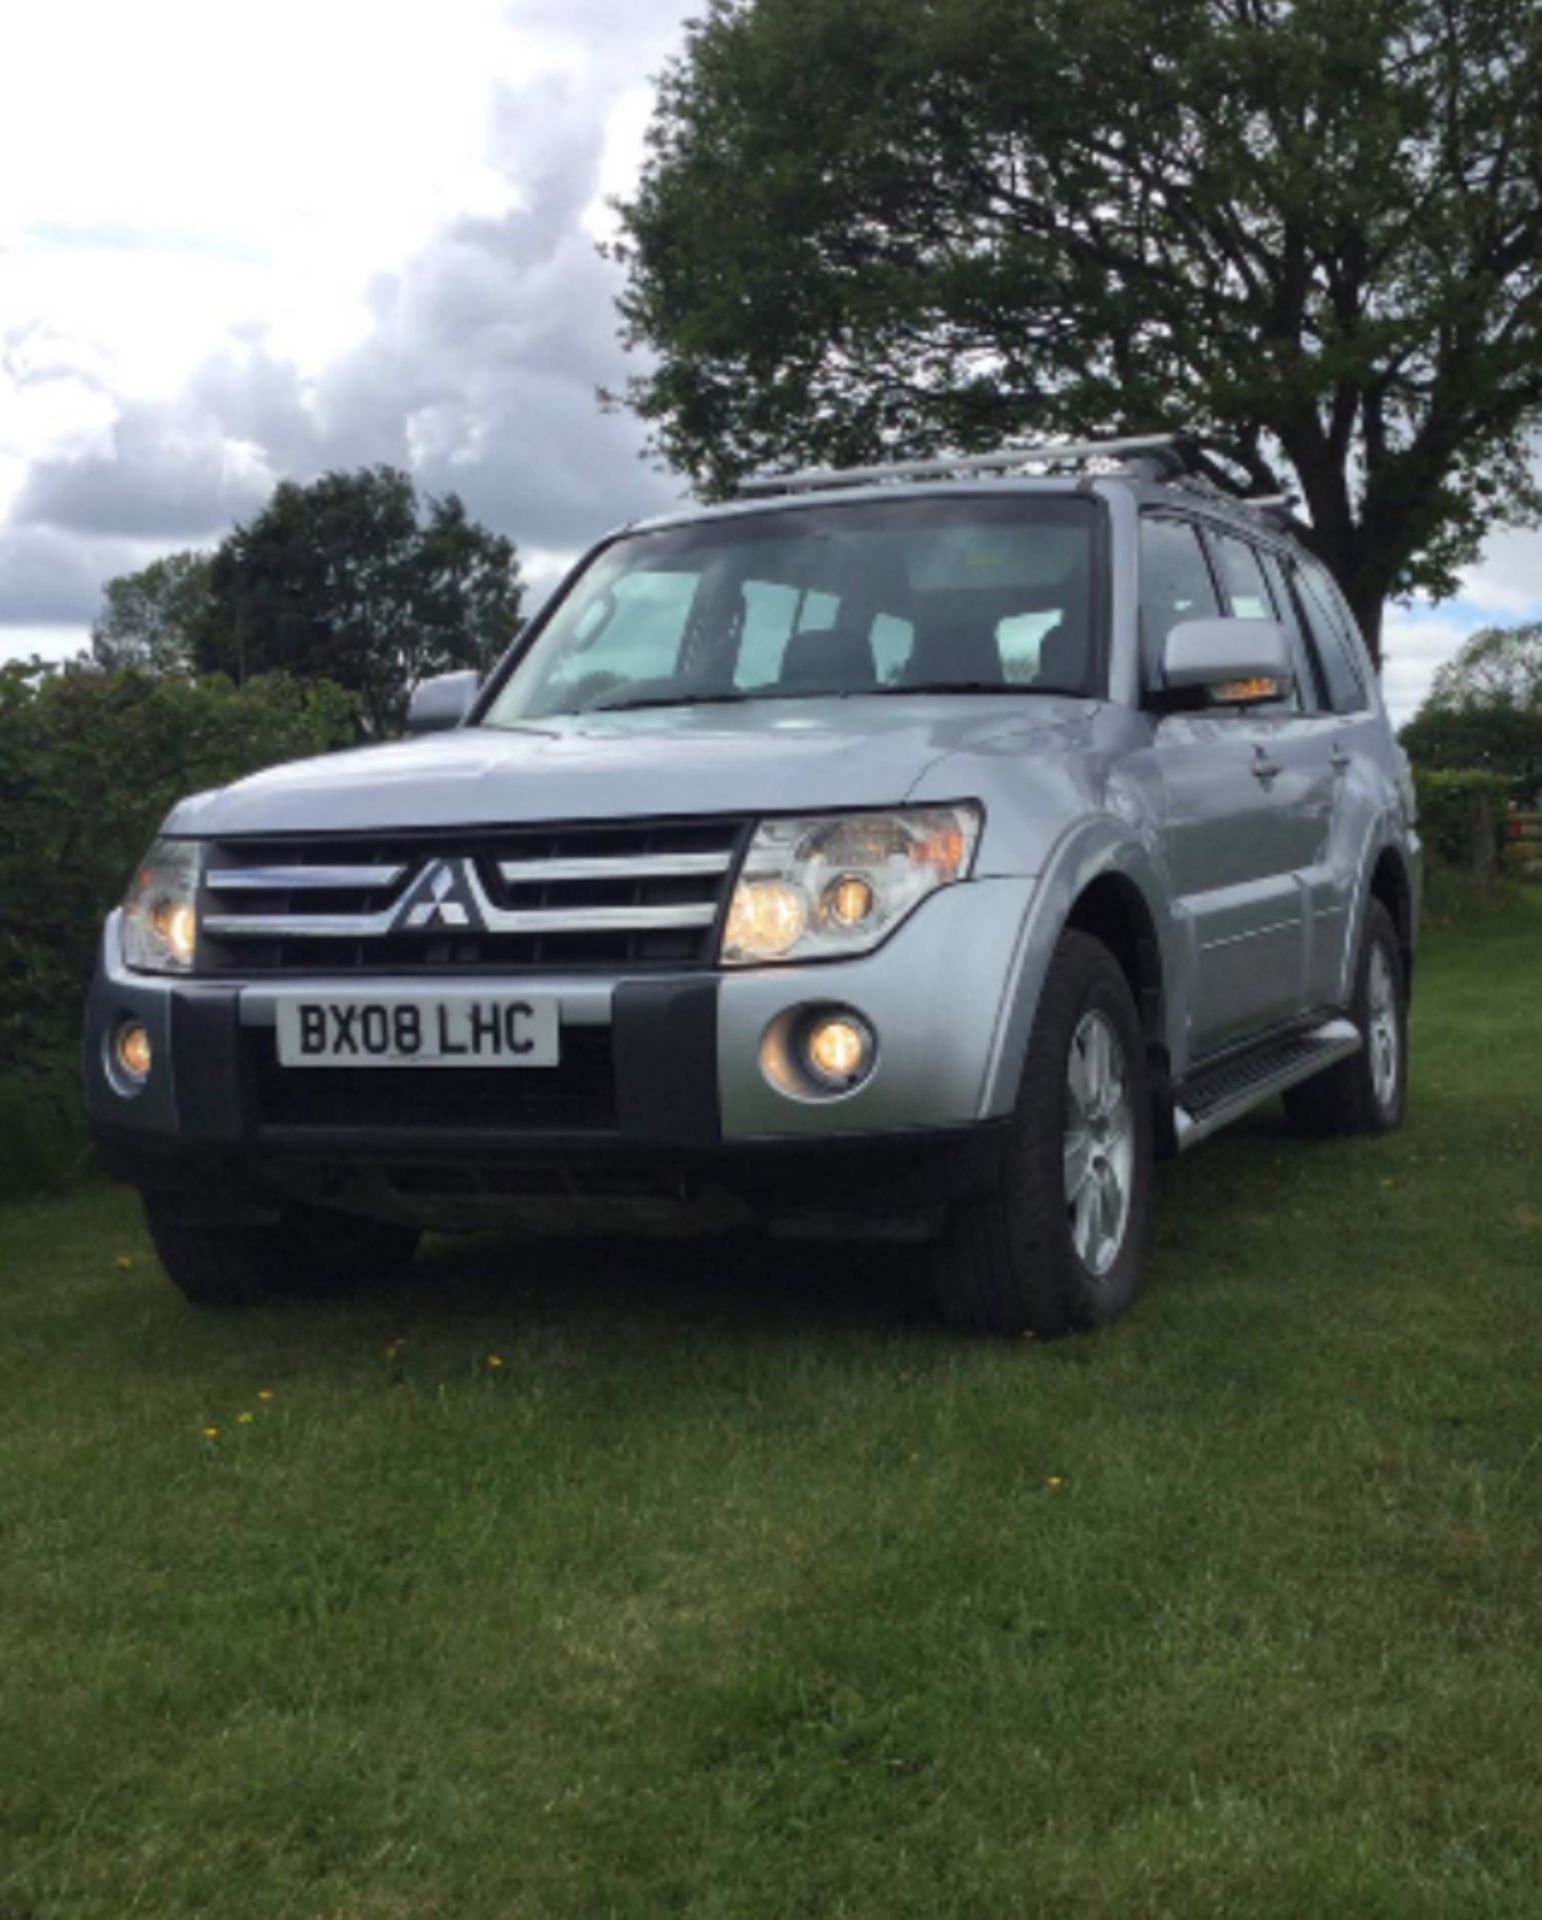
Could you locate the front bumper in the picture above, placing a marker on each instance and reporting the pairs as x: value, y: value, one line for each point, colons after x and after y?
x: 661, y: 1082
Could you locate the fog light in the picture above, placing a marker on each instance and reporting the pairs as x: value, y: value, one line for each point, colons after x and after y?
x: 135, y: 1054
x: 838, y: 1050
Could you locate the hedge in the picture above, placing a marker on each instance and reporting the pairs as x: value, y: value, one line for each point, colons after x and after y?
x: 90, y: 763
x: 1462, y: 816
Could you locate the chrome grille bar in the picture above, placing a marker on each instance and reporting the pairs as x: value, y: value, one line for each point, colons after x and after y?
x: 300, y: 926
x: 301, y: 879
x: 644, y: 866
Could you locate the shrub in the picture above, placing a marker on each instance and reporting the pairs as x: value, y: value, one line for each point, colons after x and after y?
x: 89, y: 765
x: 43, y: 1141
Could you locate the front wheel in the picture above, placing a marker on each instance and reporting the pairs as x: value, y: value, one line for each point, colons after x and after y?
x: 306, y: 1251
x: 1059, y: 1243
x: 1368, y: 1092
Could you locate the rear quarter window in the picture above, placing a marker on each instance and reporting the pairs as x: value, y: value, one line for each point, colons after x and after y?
x: 1338, y: 646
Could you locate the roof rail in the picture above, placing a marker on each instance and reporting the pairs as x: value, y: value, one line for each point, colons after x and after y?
x: 1169, y: 450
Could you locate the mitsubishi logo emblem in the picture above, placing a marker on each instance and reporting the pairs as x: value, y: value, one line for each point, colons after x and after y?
x: 443, y: 895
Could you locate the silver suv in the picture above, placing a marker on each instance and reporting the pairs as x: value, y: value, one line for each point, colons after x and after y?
x: 918, y: 852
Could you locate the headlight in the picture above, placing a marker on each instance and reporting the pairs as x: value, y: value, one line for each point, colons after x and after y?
x: 817, y: 888
x: 160, y: 915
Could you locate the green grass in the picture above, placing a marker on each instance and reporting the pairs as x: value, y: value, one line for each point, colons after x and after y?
x: 739, y: 1590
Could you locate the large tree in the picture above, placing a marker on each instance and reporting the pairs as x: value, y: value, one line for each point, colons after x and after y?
x: 1309, y: 230
x: 353, y: 579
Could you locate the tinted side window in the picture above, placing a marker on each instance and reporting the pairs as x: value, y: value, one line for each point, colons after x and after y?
x: 1354, y: 641
x: 1175, y: 583
x: 1335, y: 648
x: 1247, y: 589
x: 1309, y: 681
x: 1242, y: 574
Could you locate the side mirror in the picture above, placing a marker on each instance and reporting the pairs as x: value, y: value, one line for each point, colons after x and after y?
x: 1236, y: 662
x: 442, y: 702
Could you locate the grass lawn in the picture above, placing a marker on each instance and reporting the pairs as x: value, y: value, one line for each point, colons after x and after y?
x: 576, y: 1583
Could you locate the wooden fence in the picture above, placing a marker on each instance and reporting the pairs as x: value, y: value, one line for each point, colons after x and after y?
x: 1523, y: 849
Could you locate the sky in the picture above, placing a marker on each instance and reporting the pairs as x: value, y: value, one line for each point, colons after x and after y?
x: 239, y: 245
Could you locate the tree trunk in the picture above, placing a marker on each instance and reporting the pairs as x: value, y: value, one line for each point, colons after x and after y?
x: 1363, y: 585
x: 1369, y: 607
x: 1365, y: 589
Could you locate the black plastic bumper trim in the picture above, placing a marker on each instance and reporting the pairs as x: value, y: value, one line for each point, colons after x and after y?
x: 208, y: 1067
x: 666, y: 1062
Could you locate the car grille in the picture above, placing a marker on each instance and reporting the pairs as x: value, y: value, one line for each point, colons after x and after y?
x: 576, y: 1096
x: 642, y: 894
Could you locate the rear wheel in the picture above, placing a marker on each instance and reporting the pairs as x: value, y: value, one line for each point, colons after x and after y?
x: 1367, y: 1093
x: 1060, y: 1242
x: 306, y: 1252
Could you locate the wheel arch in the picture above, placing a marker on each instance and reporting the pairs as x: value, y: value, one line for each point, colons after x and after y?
x: 1392, y: 885
x: 1113, y: 910
x: 1101, y: 882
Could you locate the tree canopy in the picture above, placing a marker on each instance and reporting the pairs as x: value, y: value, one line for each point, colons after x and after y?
x: 1308, y: 230
x: 350, y: 579
x: 1499, y: 667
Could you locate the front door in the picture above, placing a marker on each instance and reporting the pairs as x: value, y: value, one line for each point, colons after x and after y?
x: 1227, y: 832
x: 1235, y: 891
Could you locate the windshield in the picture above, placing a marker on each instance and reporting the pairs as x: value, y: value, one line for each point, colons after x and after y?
x: 982, y: 593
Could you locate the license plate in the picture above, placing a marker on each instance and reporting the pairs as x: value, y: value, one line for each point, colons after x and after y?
x: 418, y: 1030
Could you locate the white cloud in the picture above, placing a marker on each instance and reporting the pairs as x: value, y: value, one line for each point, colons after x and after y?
x: 43, y: 643
x: 621, y: 160
x: 1506, y: 585
x: 1415, y: 641
x: 229, y: 164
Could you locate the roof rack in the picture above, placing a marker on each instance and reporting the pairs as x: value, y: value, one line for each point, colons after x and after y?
x: 1170, y: 454
x: 1275, y: 509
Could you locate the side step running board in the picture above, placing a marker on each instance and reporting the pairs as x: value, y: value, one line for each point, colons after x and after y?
x: 1215, y: 1096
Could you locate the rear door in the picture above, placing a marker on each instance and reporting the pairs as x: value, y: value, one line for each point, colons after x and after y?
x: 1298, y: 734
x: 1350, y: 732
x: 1225, y: 830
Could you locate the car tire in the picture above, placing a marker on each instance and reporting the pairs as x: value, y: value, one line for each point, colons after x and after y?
x: 1059, y: 1243
x: 306, y: 1253
x: 1368, y: 1092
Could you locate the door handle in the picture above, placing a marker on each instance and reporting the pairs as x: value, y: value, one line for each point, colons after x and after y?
x: 1338, y: 759
x: 1265, y: 770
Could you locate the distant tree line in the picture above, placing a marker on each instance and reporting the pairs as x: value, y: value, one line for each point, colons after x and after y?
x: 1484, y: 712
x: 354, y: 579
